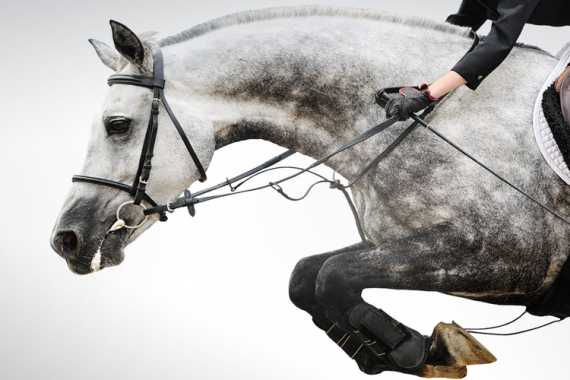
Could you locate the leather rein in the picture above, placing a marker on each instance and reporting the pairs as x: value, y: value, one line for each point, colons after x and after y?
x: 138, y: 189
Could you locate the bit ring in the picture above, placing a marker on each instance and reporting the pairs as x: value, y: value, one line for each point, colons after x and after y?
x: 138, y: 225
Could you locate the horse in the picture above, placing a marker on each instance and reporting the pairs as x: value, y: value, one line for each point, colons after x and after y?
x: 305, y: 78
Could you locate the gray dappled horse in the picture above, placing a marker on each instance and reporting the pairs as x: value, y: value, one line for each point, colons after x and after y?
x: 305, y: 78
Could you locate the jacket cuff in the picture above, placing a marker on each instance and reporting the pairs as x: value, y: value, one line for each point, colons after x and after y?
x: 473, y: 79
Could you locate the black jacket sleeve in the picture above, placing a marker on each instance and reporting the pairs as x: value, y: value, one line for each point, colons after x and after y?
x: 469, y: 15
x: 505, y: 30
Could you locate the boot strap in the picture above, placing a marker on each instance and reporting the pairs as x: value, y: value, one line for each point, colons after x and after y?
x: 377, y: 329
x: 349, y: 344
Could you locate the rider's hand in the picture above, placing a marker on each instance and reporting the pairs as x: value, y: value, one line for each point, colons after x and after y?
x: 411, y: 102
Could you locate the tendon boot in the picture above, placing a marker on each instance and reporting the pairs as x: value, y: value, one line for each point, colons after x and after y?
x: 353, y: 346
x: 404, y: 348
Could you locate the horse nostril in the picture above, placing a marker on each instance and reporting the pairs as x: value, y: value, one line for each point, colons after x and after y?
x: 68, y: 237
x: 69, y: 244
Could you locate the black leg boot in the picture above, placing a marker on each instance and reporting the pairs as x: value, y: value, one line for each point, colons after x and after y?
x: 353, y: 345
x: 405, y: 349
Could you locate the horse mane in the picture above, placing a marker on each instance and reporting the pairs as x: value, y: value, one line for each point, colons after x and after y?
x: 247, y: 17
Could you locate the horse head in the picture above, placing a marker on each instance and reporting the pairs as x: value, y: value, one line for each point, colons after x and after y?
x: 82, y: 233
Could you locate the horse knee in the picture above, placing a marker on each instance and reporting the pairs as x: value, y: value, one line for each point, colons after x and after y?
x: 302, y: 283
x: 335, y: 289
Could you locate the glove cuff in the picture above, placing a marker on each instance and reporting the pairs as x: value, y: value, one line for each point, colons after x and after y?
x: 425, y: 89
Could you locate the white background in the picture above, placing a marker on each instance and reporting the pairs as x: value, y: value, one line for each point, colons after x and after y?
x: 201, y: 298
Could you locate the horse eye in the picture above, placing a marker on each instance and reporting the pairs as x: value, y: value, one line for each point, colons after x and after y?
x: 118, y: 126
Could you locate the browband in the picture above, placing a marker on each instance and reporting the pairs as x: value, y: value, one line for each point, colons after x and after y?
x: 136, y: 80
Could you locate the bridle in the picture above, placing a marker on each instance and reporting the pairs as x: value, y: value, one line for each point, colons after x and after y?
x: 138, y: 188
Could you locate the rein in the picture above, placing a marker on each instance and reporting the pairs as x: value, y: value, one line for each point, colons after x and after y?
x: 189, y: 200
x: 382, y: 97
x: 157, y: 83
x: 138, y: 188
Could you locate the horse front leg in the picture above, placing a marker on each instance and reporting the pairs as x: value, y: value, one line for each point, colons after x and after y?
x: 438, y: 260
x: 302, y: 294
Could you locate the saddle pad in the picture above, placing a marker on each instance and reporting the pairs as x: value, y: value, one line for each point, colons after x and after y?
x: 542, y: 133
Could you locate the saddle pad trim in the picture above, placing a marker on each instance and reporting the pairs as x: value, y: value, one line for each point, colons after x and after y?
x: 542, y: 133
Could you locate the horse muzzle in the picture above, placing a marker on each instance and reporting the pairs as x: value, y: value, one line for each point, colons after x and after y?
x: 83, y: 238
x: 82, y: 258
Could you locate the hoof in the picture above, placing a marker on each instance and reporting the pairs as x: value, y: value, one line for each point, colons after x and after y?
x: 454, y: 347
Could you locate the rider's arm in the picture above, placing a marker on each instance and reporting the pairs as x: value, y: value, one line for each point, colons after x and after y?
x: 446, y: 83
x: 509, y: 20
x: 478, y: 64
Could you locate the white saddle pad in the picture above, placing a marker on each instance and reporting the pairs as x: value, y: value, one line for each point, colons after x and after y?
x: 542, y: 132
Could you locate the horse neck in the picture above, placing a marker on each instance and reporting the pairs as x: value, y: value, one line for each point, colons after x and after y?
x: 311, y: 90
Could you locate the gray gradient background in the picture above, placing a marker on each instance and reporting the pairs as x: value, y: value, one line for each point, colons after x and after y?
x: 202, y: 298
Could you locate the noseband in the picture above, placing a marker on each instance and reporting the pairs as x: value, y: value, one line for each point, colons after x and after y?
x: 156, y: 84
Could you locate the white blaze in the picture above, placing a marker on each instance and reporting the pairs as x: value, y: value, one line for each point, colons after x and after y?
x: 96, y: 262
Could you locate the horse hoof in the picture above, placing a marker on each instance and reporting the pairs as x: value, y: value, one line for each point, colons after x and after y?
x: 452, y: 346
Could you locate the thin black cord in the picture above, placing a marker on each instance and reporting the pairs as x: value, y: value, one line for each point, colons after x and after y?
x: 280, y: 190
x: 250, y: 172
x: 515, y: 333
x: 275, y: 168
x: 496, y: 327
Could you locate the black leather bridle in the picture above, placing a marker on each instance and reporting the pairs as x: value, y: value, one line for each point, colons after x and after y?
x: 156, y: 83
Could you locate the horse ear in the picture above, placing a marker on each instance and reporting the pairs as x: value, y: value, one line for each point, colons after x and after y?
x: 108, y: 56
x: 127, y: 43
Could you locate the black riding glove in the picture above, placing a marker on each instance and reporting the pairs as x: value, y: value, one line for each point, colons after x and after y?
x: 411, y: 102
